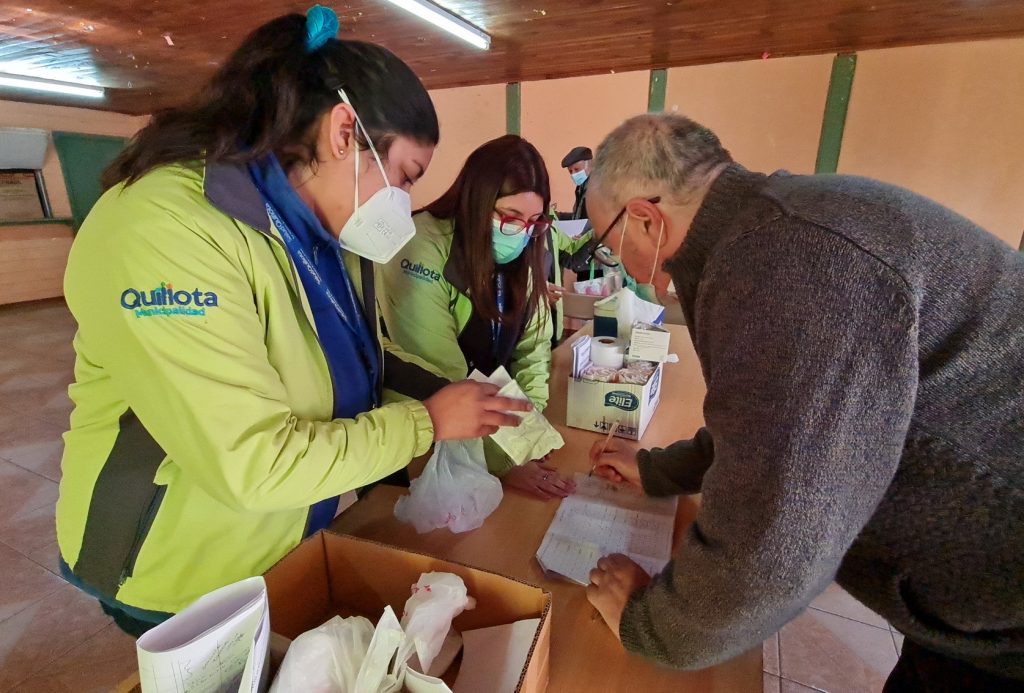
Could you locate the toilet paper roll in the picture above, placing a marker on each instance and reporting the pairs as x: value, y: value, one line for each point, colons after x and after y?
x: 606, y: 351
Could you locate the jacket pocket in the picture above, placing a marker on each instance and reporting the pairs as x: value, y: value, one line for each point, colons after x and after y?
x: 145, y: 524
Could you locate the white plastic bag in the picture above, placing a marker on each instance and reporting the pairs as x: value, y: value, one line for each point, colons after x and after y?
x: 455, y: 490
x: 326, y: 659
x: 349, y: 655
x: 590, y: 287
x: 377, y: 675
x: 436, y: 599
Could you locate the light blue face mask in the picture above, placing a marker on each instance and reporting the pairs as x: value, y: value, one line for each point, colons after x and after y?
x: 579, y: 178
x: 507, y: 248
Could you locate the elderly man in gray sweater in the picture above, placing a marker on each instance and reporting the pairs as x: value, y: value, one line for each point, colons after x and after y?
x: 863, y: 349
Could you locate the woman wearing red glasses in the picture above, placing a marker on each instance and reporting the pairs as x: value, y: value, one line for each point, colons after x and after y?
x: 468, y: 291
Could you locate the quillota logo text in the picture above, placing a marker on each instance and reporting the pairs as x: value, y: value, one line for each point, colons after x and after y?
x: 626, y: 401
x: 165, y: 300
x: 418, y: 271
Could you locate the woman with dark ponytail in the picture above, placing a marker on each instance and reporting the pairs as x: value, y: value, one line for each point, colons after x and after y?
x: 233, y: 389
x: 469, y: 292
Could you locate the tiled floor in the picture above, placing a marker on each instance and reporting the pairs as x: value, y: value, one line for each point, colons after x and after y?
x: 54, y: 638
x: 837, y: 645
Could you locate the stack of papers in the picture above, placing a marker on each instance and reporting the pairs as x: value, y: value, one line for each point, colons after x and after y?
x: 217, y: 645
x: 601, y: 518
x: 580, y: 355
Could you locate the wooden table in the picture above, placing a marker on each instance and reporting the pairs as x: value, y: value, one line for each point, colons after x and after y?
x: 585, y: 656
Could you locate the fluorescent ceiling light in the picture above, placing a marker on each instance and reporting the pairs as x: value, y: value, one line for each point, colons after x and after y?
x: 452, y: 23
x: 49, y: 85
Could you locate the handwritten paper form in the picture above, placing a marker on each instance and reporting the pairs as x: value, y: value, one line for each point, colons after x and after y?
x: 600, y: 519
x: 216, y: 645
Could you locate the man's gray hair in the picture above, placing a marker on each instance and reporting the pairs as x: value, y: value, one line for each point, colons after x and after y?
x: 656, y: 154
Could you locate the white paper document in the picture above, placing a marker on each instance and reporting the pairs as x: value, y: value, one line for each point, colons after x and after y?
x: 573, y: 228
x: 601, y: 518
x: 216, y: 645
x: 649, y: 343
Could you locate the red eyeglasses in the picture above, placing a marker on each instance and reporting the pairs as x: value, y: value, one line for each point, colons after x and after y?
x: 513, y: 226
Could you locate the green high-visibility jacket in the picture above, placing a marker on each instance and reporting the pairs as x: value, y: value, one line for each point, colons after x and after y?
x: 426, y: 307
x: 202, y: 431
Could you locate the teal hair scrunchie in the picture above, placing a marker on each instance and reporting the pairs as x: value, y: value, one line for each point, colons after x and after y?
x: 321, y: 25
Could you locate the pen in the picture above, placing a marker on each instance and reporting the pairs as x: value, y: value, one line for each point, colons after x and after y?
x: 615, y: 427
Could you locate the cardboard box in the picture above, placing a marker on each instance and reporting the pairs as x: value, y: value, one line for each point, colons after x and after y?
x: 330, y: 574
x: 579, y: 306
x: 597, y: 406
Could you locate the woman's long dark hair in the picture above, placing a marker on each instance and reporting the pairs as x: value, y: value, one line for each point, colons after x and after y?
x: 269, y: 96
x: 508, y: 165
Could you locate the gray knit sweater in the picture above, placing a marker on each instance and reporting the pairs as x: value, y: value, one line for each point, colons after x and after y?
x: 863, y: 349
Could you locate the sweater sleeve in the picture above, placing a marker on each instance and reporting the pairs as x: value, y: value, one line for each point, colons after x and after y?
x: 810, y: 348
x: 679, y: 468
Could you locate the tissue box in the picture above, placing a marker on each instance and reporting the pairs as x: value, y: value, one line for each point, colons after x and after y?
x: 649, y: 343
x: 330, y: 574
x: 596, y: 406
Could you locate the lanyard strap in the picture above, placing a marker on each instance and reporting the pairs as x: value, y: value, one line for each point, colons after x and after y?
x: 296, y: 250
x: 368, y: 290
x: 496, y: 325
x: 370, y: 313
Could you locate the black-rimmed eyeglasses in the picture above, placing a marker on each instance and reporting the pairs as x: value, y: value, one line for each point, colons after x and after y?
x: 618, y: 217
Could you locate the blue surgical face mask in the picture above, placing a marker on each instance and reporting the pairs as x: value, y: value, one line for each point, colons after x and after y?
x: 579, y: 178
x: 507, y: 248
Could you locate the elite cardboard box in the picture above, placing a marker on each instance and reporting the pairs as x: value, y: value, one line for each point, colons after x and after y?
x: 330, y: 574
x: 595, y: 406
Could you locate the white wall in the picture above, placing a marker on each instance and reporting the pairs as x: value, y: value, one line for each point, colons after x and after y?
x: 946, y: 121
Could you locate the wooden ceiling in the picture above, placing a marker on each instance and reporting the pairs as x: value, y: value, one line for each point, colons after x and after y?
x: 154, y: 53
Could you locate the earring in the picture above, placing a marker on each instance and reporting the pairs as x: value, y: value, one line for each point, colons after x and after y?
x: 341, y: 152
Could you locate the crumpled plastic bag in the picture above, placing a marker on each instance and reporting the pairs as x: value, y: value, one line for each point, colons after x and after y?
x: 591, y: 287
x: 377, y: 675
x: 455, y: 490
x: 436, y: 599
x: 349, y: 655
x: 534, y: 437
x: 326, y: 659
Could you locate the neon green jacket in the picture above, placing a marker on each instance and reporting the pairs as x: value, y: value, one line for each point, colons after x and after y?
x: 565, y: 250
x: 425, y: 307
x: 202, y: 429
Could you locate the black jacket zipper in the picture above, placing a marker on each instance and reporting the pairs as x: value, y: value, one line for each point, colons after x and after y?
x: 145, y: 524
